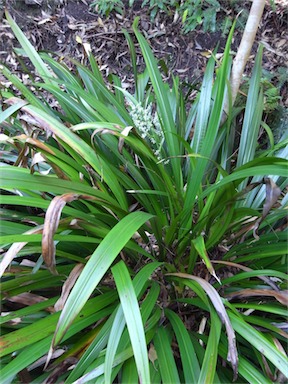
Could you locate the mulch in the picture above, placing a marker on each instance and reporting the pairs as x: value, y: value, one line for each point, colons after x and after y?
x: 64, y: 26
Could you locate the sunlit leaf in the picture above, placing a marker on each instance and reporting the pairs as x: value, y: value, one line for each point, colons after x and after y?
x: 96, y: 267
x: 134, y: 323
x: 201, y: 249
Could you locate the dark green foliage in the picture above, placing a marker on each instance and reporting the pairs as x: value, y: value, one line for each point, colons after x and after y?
x: 141, y: 240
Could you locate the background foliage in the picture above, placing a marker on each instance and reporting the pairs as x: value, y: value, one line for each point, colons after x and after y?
x: 193, y: 13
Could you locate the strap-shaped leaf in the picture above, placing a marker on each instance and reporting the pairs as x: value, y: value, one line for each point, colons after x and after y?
x: 96, y: 267
x: 139, y: 282
x: 167, y: 365
x: 163, y: 105
x: 221, y: 311
x: 133, y: 319
x: 189, y: 359
x: 260, y: 342
x: 29, y: 49
x: 81, y: 147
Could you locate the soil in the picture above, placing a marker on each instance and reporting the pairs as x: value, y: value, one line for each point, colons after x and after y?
x: 62, y: 26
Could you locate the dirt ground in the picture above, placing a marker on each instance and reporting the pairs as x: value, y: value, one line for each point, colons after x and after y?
x: 63, y: 26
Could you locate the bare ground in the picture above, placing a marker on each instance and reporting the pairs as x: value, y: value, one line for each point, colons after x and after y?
x: 63, y: 26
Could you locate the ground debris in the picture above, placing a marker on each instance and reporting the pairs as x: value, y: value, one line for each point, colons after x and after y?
x: 64, y: 27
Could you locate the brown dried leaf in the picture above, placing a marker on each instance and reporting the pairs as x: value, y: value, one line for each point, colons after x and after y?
x: 62, y: 367
x: 220, y: 309
x: 37, y: 159
x: 15, y: 248
x: 24, y: 376
x: 152, y: 355
x: 39, y: 363
x: 27, y: 298
x: 272, y: 194
x: 268, y: 369
x: 39, y: 144
x: 36, y: 121
x: 102, y: 131
x: 279, y: 346
x: 51, y: 223
x: 281, y: 296
x: 15, y: 100
x: 68, y: 285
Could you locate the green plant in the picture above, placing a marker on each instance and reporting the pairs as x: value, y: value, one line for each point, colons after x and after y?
x: 271, y: 92
x: 160, y: 6
x: 193, y: 12
x: 197, y: 12
x: 273, y: 82
x: 150, y: 186
x: 105, y: 7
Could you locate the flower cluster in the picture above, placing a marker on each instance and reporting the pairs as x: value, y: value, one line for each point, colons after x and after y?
x: 148, y: 126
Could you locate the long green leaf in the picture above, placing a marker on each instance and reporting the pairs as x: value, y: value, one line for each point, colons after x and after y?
x: 163, y: 105
x: 33, y: 352
x: 117, y: 328
x: 86, y: 361
x: 200, y: 247
x: 104, y: 94
x: 113, y: 342
x: 261, y: 167
x: 253, y: 114
x: 208, y: 368
x: 40, y: 329
x: 203, y: 108
x: 221, y: 311
x: 129, y: 372
x: 167, y: 365
x: 194, y: 181
x: 98, y: 368
x: 93, y: 351
x: 96, y: 268
x: 82, y: 148
x: 12, y: 109
x: 21, y: 179
x: 246, y: 368
x: 189, y: 359
x: 260, y: 342
x: 29, y: 49
x: 133, y: 319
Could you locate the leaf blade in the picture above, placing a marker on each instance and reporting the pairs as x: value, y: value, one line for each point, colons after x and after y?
x: 133, y: 319
x: 96, y: 267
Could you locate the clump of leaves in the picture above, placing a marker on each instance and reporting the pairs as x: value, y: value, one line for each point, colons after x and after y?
x: 271, y: 96
x: 167, y: 6
x: 209, y: 15
x: 194, y: 13
x: 271, y: 92
x: 140, y: 243
x: 277, y: 78
x: 105, y: 7
x: 198, y: 12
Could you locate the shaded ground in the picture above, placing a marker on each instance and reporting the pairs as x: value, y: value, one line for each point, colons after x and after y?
x: 62, y: 26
